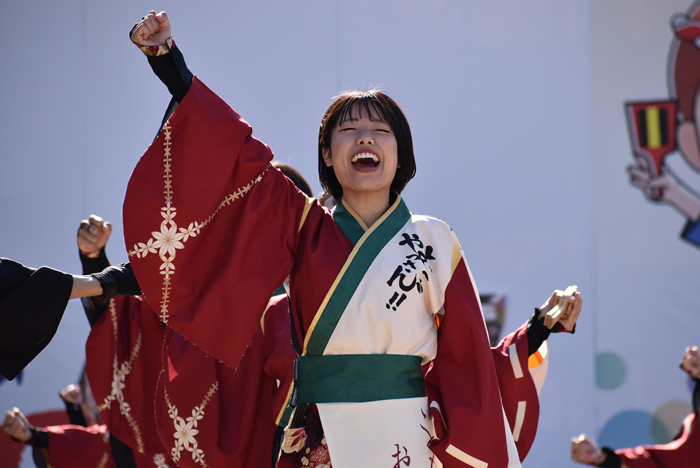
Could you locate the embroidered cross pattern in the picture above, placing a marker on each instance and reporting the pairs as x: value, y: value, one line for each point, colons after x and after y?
x: 409, y: 272
x: 169, y: 238
x: 119, y: 374
x: 401, y: 460
x: 186, y: 429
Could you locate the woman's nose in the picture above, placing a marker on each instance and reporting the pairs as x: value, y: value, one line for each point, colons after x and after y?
x: 365, y: 138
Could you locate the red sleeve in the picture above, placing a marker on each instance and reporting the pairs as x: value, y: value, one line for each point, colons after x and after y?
x: 71, y: 446
x: 210, y: 226
x: 684, y: 452
x: 518, y: 392
x: 462, y: 385
x: 123, y: 360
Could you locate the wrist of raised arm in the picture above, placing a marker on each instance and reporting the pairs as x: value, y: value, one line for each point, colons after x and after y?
x: 157, y: 51
x: 537, y: 333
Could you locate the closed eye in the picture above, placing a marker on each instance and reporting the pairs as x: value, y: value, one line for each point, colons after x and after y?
x: 346, y: 129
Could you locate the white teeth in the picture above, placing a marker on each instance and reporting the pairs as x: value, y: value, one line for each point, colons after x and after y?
x: 371, y: 156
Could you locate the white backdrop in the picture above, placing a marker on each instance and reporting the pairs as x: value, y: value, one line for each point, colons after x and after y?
x: 647, y: 297
x: 516, y: 112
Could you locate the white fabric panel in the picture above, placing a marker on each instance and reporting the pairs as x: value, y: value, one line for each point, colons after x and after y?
x: 368, y: 326
x: 465, y: 457
x: 514, y: 361
x: 519, y: 419
x: 405, y: 432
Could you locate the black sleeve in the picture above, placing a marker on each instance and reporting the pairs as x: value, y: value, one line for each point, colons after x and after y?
x: 122, y: 454
x: 537, y: 333
x: 93, y: 307
x: 94, y: 265
x: 75, y: 414
x: 172, y: 70
x: 39, y: 455
x: 40, y: 439
x: 32, y: 302
x: 696, y: 397
x: 612, y: 460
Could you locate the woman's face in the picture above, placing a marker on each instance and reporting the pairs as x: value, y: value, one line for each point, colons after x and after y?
x: 363, y: 154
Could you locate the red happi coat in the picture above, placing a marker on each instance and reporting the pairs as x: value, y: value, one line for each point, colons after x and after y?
x: 212, y: 230
x: 123, y: 361
x: 684, y: 452
x: 208, y: 413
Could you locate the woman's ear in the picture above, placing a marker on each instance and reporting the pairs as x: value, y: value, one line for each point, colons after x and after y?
x: 688, y: 143
x: 327, y: 157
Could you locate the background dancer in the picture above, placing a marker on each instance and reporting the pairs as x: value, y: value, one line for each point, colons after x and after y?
x: 32, y: 302
x: 682, y: 452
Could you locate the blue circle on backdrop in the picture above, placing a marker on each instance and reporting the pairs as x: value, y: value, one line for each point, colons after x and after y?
x: 610, y: 371
x: 632, y: 428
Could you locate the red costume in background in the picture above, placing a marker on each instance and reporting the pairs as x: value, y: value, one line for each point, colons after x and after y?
x: 123, y: 361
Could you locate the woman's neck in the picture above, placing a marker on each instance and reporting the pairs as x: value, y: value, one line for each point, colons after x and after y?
x: 368, y: 206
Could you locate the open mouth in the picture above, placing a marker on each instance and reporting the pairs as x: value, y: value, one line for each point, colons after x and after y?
x: 365, y: 160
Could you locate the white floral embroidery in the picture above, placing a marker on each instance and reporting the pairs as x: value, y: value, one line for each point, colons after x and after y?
x: 170, y: 238
x: 186, y: 429
x: 159, y: 461
x: 184, y: 434
x: 120, y: 372
x: 191, y: 231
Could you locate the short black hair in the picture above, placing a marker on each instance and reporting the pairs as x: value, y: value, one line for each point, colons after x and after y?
x: 375, y: 103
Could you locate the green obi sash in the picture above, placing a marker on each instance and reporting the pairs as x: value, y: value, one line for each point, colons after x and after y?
x: 350, y: 378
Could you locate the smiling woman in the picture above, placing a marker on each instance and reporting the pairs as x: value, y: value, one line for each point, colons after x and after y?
x: 394, y: 364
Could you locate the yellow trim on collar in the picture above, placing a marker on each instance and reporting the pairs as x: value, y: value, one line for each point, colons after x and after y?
x: 355, y: 215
